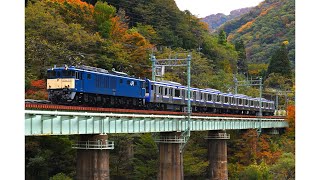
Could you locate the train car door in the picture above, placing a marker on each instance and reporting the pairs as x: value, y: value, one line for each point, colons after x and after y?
x: 170, y: 94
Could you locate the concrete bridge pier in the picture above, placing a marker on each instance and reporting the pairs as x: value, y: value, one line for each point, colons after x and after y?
x: 217, y: 155
x: 93, y: 157
x: 171, y: 160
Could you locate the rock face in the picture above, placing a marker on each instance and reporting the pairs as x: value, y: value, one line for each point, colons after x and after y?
x: 215, y: 20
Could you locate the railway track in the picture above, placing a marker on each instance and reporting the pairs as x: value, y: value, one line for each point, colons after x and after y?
x: 46, y: 105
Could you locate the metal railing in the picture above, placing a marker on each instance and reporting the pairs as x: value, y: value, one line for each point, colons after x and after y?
x: 171, y: 139
x: 219, y: 136
x: 98, y: 144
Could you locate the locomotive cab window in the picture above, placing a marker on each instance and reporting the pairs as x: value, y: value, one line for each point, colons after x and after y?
x: 67, y: 73
x: 51, y: 74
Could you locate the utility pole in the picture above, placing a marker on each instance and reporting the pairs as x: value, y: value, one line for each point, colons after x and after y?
x: 153, y: 60
x: 156, y: 63
x: 252, y: 83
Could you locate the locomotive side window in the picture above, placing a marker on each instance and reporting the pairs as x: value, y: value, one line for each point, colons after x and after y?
x: 77, y: 75
x: 143, y: 85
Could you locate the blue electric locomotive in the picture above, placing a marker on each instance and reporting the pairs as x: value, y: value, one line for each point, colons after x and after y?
x: 78, y: 85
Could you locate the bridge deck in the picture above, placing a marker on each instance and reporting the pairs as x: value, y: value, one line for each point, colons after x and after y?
x: 39, y: 122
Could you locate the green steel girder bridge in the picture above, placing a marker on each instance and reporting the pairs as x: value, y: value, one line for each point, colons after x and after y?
x: 44, y: 122
x: 174, y: 131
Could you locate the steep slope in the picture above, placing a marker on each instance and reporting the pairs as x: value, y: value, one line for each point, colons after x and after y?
x: 264, y: 28
x: 215, y: 20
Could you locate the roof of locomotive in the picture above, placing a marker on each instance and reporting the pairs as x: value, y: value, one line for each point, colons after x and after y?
x: 96, y: 71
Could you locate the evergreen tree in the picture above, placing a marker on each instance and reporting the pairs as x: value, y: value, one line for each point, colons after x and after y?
x: 279, y: 62
x: 242, y: 59
x: 222, y: 38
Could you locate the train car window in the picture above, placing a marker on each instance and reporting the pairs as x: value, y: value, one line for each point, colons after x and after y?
x: 232, y: 100
x: 226, y: 100
x: 218, y: 98
x: 251, y: 103
x: 77, y: 75
x: 209, y: 97
x: 152, y: 87
x: 147, y: 89
x: 88, y: 76
x: 165, y: 91
x: 177, y: 93
x: 240, y: 101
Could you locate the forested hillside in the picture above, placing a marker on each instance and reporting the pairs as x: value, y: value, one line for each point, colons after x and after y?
x: 264, y: 28
x: 215, y: 20
x: 122, y: 34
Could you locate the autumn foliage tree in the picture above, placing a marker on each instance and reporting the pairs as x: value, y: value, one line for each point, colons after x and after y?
x: 37, y: 90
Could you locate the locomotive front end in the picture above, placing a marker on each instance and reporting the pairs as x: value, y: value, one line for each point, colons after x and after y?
x: 61, y: 85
